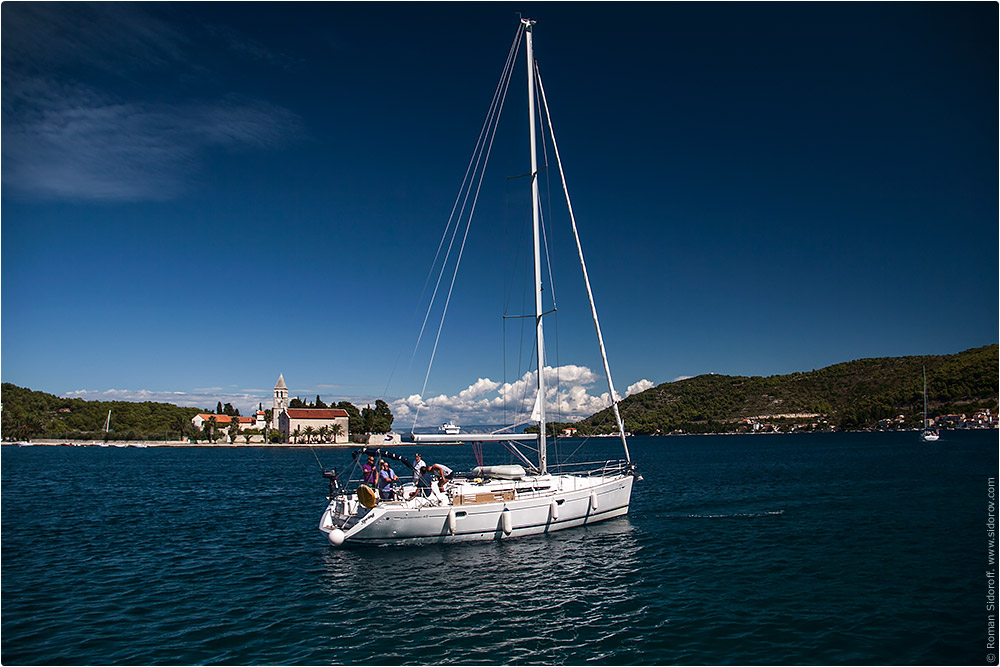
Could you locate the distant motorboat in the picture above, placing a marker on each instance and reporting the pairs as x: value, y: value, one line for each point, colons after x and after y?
x: 450, y: 428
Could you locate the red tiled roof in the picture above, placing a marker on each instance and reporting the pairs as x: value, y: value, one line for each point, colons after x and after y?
x: 225, y: 419
x: 315, y: 413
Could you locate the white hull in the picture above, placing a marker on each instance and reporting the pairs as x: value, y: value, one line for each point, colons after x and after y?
x: 929, y: 436
x: 568, y: 502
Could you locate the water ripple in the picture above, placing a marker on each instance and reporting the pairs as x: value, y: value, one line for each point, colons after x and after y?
x: 737, y: 550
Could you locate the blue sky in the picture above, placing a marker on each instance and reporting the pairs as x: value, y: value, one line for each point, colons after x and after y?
x: 197, y: 197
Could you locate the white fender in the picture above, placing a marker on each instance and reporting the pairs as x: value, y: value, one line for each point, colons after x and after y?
x: 451, y: 522
x: 506, y: 522
x: 336, y: 537
x: 554, y: 510
x: 593, y: 501
x: 438, y: 496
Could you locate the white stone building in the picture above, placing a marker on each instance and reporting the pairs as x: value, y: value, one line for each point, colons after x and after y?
x: 293, y: 423
x: 290, y: 421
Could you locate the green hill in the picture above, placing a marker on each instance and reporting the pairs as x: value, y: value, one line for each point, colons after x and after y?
x: 851, y: 395
x: 35, y: 414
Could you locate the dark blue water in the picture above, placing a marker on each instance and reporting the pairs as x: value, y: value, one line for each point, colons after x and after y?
x: 839, y: 548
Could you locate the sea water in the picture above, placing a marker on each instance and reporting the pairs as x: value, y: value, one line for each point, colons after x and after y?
x: 857, y: 548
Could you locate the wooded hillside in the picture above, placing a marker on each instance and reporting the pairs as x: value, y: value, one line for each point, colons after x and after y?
x: 852, y: 395
x: 35, y: 414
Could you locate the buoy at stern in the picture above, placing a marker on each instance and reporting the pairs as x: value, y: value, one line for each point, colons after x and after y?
x: 336, y: 537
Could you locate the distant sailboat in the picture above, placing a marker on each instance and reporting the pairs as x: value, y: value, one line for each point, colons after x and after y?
x: 927, y: 434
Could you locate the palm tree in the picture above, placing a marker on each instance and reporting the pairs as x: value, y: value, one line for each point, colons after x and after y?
x: 323, y: 433
x: 336, y: 430
x: 309, y: 431
x: 295, y: 434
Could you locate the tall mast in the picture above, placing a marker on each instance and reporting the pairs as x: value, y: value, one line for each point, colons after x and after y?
x: 924, y: 425
x: 536, y: 241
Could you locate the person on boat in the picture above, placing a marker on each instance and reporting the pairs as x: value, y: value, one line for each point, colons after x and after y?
x: 421, y: 477
x: 368, y: 473
x: 443, y: 472
x: 418, y: 468
x: 386, y: 478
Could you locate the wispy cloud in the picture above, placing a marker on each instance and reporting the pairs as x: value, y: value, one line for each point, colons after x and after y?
x: 200, y: 398
x: 242, y: 44
x: 67, y: 134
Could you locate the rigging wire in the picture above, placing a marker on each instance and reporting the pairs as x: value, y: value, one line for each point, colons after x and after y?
x: 484, y: 151
x: 557, y: 414
x: 612, y: 394
x: 511, y: 54
x: 316, y: 457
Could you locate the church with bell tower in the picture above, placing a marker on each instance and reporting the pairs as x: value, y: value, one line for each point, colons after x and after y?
x: 302, y: 424
x: 280, y: 400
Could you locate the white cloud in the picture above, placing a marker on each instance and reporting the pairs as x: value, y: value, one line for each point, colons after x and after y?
x: 639, y: 387
x: 568, y: 397
x: 682, y: 377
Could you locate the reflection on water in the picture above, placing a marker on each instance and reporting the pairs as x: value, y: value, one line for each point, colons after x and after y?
x: 525, y: 600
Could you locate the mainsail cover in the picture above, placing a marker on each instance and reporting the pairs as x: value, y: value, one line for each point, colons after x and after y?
x: 381, y: 453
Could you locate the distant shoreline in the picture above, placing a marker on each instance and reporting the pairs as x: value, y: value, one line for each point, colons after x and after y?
x: 139, y: 444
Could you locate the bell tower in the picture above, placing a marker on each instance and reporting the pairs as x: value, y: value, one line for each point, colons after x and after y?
x: 280, y: 400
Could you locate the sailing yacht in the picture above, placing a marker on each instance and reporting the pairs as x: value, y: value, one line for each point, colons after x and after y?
x: 504, y: 501
x: 927, y: 434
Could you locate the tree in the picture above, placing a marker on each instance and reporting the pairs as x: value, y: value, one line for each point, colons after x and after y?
x: 336, y: 430
x: 234, y: 429
x: 382, y: 418
x: 368, y: 416
x: 228, y: 409
x: 320, y: 403
x: 296, y: 434
x: 218, y: 408
x: 309, y: 433
x: 249, y: 433
x: 209, y: 428
x: 355, y: 423
x: 296, y: 403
